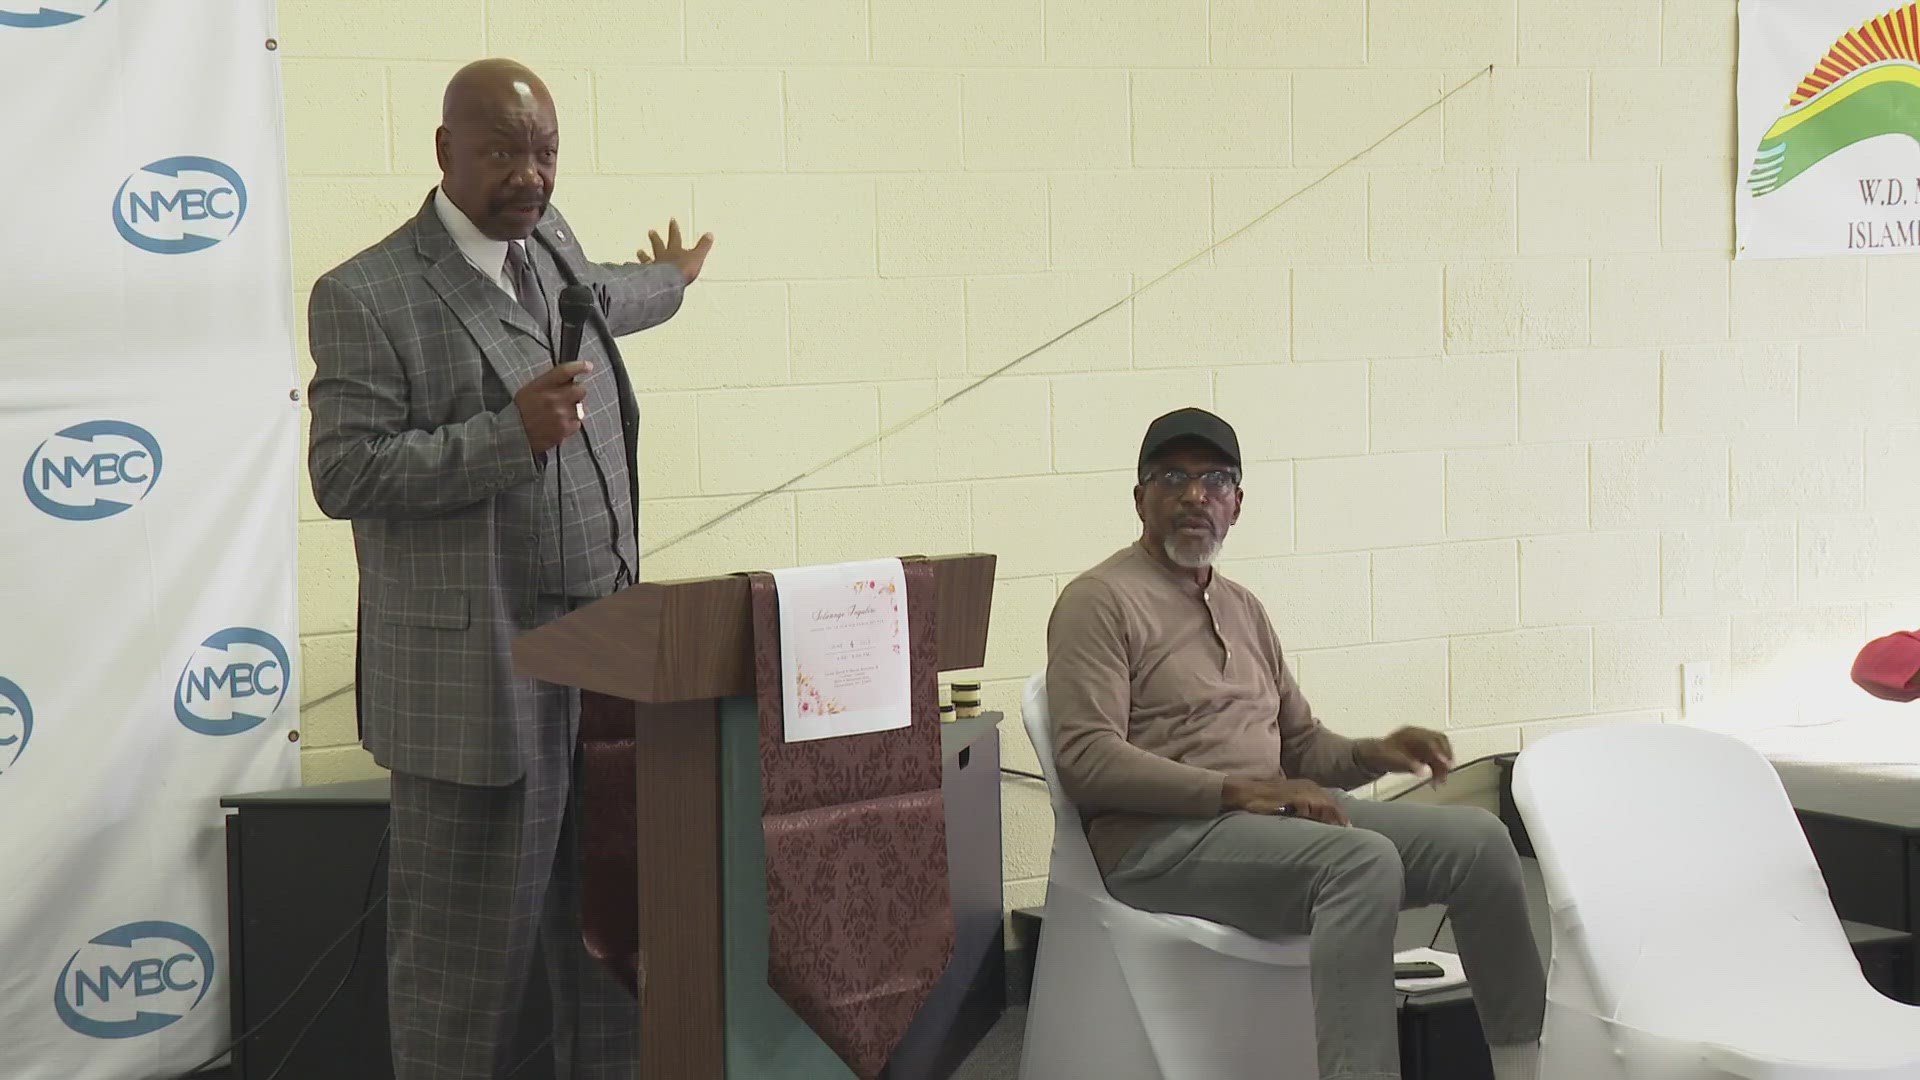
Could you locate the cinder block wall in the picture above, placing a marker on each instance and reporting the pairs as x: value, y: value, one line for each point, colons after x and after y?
x: 1524, y: 438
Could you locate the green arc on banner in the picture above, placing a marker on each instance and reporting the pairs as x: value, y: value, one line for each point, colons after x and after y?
x: 1866, y: 86
x: 1856, y: 110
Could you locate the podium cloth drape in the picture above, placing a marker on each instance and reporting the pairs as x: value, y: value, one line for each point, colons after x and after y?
x: 859, y: 908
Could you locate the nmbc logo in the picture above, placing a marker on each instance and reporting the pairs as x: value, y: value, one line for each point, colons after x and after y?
x: 134, y: 980
x: 37, y: 15
x: 114, y: 466
x: 16, y: 723
x: 232, y: 683
x: 180, y: 205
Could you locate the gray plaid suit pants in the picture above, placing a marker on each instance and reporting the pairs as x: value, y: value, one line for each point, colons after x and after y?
x: 476, y: 873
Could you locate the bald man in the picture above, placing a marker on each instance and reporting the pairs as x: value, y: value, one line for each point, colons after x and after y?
x: 491, y: 490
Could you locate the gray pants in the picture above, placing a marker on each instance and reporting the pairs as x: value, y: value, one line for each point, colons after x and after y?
x: 476, y: 876
x: 1347, y: 886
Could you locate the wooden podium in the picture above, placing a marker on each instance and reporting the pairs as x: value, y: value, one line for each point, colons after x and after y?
x: 673, y: 663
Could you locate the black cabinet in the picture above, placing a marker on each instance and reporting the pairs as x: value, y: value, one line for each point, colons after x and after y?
x: 299, y: 864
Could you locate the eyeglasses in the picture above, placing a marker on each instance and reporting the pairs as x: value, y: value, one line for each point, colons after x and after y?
x: 1215, y: 481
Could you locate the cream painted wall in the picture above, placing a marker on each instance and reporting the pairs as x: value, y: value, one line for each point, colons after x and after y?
x: 1524, y: 438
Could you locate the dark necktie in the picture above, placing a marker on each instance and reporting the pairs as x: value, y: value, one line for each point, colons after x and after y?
x: 526, y: 286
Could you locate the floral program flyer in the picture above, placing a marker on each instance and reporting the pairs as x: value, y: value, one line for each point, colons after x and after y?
x: 844, y: 653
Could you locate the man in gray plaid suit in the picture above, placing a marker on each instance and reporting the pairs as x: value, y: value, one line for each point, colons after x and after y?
x: 491, y: 490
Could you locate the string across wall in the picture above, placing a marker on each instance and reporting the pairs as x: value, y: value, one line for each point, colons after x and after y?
x: 1011, y: 365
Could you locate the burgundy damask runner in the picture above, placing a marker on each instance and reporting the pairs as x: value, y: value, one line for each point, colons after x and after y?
x: 859, y: 912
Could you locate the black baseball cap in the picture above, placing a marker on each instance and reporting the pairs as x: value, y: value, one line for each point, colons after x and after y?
x: 1189, y: 426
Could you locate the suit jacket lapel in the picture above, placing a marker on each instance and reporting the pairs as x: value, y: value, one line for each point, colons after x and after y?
x: 548, y: 231
x: 481, y: 307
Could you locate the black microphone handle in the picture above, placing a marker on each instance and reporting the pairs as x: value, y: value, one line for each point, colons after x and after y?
x: 576, y: 305
x: 569, y: 343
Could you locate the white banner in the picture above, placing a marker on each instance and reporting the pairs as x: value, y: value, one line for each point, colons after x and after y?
x: 1829, y: 104
x: 149, y: 437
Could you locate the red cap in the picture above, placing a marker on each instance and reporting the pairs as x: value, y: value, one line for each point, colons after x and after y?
x: 1887, y: 667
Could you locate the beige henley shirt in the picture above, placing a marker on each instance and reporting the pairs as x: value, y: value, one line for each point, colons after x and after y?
x: 1159, y: 689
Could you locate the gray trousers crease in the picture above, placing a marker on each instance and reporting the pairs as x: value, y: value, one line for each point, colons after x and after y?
x: 1346, y: 888
x: 477, y: 875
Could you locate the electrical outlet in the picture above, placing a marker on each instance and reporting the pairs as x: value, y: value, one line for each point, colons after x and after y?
x: 1696, y: 686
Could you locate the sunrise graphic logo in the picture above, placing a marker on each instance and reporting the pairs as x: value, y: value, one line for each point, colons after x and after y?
x: 1866, y: 86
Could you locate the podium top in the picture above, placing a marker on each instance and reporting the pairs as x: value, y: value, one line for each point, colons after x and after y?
x: 666, y: 641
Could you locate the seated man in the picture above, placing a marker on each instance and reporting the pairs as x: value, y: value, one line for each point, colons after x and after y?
x: 1210, y: 789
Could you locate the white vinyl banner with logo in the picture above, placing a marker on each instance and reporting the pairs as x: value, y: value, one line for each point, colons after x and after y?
x: 149, y: 442
x: 1829, y: 121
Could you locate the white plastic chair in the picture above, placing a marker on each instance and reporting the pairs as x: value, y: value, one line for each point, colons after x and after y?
x: 1123, y: 994
x: 1693, y: 937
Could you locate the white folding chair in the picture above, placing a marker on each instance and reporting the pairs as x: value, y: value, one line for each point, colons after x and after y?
x: 1123, y: 994
x: 1693, y: 937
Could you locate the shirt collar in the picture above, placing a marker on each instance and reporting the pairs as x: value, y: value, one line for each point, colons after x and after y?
x: 1183, y: 579
x: 487, y: 255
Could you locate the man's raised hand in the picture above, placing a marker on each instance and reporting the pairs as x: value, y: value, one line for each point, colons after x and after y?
x: 689, y: 260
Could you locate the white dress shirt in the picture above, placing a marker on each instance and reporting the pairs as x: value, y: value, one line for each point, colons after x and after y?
x: 489, y: 256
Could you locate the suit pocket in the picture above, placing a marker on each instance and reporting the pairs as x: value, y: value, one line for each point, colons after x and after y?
x: 441, y: 610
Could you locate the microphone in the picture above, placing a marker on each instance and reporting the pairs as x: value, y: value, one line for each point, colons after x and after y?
x: 576, y: 306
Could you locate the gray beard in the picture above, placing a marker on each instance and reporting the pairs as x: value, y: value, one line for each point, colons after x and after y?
x: 1193, y: 555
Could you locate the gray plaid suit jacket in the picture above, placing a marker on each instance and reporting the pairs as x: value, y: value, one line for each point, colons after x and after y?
x: 416, y: 439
